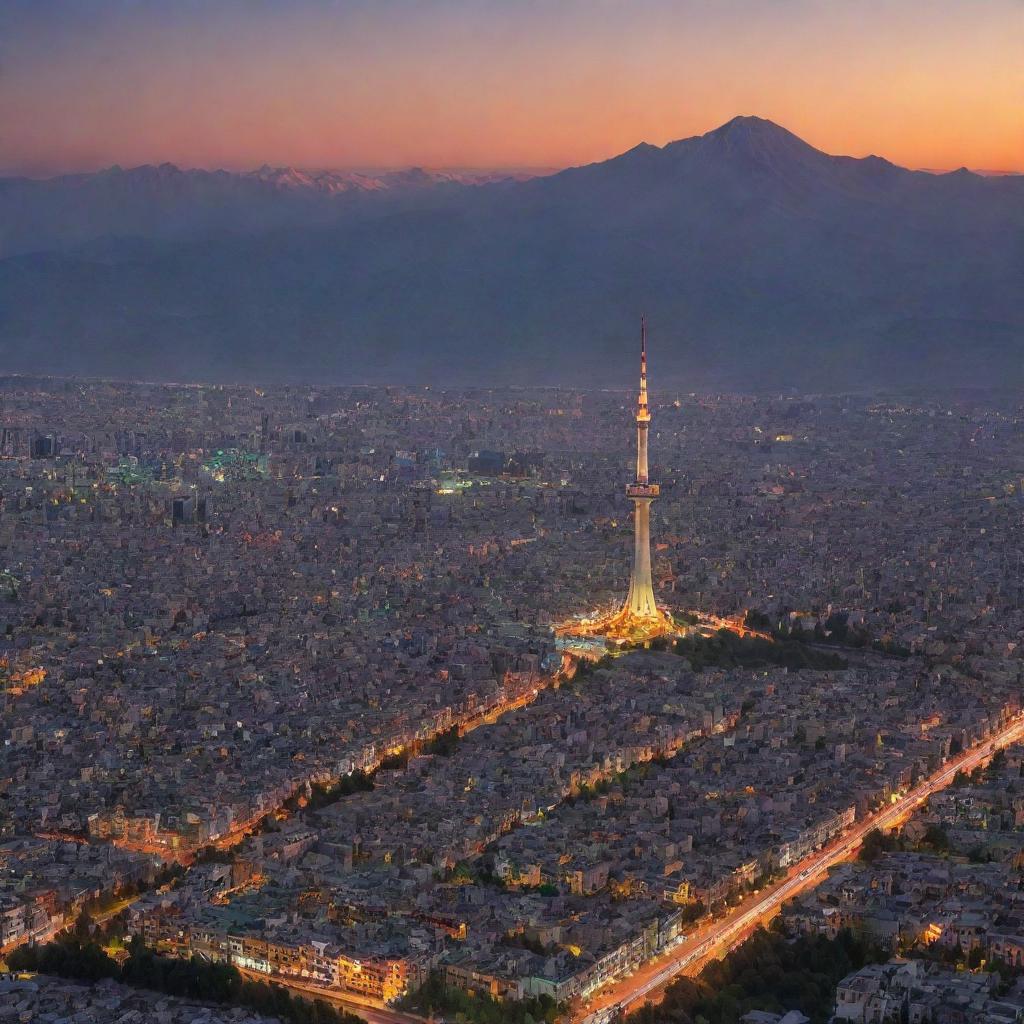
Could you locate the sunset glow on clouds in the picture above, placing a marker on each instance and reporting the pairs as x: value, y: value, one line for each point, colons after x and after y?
x: 499, y: 83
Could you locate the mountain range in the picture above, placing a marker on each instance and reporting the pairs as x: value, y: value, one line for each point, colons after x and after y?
x: 759, y: 260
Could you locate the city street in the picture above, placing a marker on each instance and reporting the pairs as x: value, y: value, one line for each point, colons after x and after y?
x: 716, y: 939
x: 370, y: 1013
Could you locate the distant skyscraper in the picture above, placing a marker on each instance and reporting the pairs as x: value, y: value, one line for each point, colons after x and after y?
x: 44, y: 447
x: 183, y: 509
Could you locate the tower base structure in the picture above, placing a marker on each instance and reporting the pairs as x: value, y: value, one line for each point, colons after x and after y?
x: 624, y: 627
x: 639, y: 620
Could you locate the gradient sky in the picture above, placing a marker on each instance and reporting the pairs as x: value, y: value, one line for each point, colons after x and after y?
x: 499, y: 83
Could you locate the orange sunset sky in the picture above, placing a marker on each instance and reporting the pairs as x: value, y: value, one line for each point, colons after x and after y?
x: 499, y: 83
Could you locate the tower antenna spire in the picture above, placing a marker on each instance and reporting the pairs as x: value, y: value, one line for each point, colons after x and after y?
x: 643, y: 412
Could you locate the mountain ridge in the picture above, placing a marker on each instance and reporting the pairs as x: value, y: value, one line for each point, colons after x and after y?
x: 759, y: 259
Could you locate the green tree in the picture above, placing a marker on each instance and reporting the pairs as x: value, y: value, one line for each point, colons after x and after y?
x: 875, y: 844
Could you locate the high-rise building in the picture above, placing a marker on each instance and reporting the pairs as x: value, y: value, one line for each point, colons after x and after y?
x: 44, y: 447
x: 183, y: 509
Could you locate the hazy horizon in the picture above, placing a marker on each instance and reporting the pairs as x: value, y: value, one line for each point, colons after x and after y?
x: 481, y: 169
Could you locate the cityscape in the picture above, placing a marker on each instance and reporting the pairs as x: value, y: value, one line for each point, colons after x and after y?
x: 285, y: 685
x: 511, y: 513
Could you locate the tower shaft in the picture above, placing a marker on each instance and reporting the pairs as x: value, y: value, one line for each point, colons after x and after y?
x: 640, y: 600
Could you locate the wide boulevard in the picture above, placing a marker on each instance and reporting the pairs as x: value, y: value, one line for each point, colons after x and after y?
x: 372, y: 1012
x: 716, y: 938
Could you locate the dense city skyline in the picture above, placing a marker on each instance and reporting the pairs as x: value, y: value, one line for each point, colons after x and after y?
x: 92, y: 83
x: 283, y: 690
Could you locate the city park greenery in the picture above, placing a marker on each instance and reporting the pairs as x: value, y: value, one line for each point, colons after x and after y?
x: 935, y: 840
x: 444, y: 744
x: 768, y: 972
x: 833, y: 631
x: 726, y: 649
x: 434, y: 997
x: 71, y: 957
